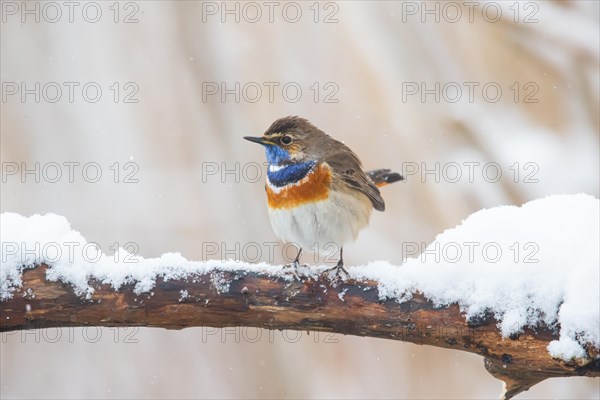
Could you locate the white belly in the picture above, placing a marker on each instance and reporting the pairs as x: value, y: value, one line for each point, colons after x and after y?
x: 335, y: 221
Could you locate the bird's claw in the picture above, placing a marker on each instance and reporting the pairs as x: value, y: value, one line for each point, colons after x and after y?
x: 341, y: 273
x: 293, y: 269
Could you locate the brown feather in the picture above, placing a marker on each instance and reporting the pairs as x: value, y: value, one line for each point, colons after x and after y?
x: 347, y: 166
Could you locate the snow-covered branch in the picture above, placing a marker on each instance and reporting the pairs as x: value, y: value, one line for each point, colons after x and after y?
x: 242, y: 298
x: 531, y: 306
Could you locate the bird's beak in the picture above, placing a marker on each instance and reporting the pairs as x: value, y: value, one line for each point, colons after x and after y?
x: 259, y: 140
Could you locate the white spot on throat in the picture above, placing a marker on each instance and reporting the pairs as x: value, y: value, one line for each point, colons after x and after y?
x: 275, y: 168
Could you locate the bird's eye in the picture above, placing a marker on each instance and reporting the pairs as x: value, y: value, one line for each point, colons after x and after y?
x: 286, y: 140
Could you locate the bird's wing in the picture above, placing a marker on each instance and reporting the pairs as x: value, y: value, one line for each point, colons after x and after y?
x: 346, y: 165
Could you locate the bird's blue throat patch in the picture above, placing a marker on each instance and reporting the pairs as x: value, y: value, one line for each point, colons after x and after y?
x: 276, y: 155
x: 290, y: 173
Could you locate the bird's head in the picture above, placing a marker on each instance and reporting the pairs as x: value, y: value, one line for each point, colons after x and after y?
x: 291, y: 140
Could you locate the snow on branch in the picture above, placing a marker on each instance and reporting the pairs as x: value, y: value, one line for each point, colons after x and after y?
x: 532, y: 312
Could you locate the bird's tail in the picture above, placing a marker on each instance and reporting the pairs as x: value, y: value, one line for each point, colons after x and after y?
x: 382, y: 177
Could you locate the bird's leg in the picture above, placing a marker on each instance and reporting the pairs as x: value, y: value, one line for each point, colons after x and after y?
x: 294, y: 266
x: 339, y: 267
x: 296, y: 263
x: 340, y: 264
x: 297, y: 259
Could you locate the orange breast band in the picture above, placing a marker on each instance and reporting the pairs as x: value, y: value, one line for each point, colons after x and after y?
x: 313, y: 187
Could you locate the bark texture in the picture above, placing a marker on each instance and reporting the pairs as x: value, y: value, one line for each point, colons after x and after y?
x: 348, y: 307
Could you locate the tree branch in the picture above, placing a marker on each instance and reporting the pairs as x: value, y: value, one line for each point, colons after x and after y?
x: 351, y: 308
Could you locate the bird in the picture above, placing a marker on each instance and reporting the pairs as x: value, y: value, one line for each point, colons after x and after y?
x: 318, y: 195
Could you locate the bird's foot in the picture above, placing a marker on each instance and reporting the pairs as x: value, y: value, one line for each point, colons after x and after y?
x: 341, y: 273
x: 292, y: 266
x: 295, y: 269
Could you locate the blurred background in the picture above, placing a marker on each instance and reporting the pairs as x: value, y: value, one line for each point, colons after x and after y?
x: 128, y: 117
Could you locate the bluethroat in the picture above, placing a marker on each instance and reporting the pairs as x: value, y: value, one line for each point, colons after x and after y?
x: 317, y: 191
